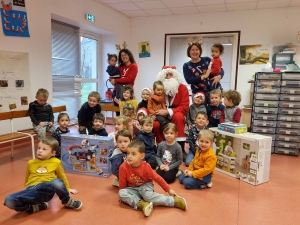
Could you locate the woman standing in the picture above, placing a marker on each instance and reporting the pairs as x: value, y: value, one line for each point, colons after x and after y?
x: 196, y: 70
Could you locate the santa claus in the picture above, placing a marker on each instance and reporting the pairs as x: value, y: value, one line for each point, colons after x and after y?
x: 177, y: 101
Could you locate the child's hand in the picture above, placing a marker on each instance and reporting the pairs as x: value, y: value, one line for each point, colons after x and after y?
x: 172, y: 192
x: 189, y: 173
x: 190, y: 126
x: 73, y: 191
x: 50, y: 124
x: 42, y: 124
x: 81, y: 128
x: 162, y: 166
x: 153, y: 117
x: 166, y: 168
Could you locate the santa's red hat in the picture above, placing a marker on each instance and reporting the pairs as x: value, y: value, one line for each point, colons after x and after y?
x: 200, y: 94
x: 143, y: 110
x: 169, y: 69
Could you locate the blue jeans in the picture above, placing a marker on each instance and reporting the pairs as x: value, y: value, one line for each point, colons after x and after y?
x: 192, y: 183
x: 189, y: 158
x: 42, y: 192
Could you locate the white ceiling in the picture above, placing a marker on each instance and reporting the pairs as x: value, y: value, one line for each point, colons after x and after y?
x: 136, y: 8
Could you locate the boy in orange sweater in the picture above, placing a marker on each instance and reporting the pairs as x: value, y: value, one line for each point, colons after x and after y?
x: 136, y: 183
x: 201, y: 169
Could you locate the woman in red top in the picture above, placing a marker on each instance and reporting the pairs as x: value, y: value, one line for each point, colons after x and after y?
x: 128, y: 71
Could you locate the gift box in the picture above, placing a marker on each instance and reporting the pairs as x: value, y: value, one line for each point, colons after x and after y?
x: 235, y: 128
x: 86, y: 154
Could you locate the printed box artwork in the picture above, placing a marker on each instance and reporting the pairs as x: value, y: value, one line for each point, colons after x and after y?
x: 243, y: 156
x: 235, y: 128
x: 86, y: 154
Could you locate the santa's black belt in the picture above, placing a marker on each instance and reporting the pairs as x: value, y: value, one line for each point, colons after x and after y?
x: 171, y: 107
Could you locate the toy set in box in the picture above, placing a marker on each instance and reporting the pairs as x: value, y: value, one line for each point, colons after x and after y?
x: 235, y: 128
x: 86, y: 154
x: 243, y: 156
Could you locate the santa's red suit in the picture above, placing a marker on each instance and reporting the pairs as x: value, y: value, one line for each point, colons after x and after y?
x: 177, y: 106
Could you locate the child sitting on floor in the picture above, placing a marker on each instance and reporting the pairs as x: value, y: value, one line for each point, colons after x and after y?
x: 134, y: 126
x: 121, y: 123
x: 215, y: 108
x: 98, y: 122
x: 136, y: 183
x: 232, y: 112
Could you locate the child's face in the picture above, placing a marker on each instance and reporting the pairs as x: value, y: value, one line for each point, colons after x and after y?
x: 229, y: 143
x: 126, y: 95
x: 215, y: 99
x: 198, y: 100
x: 147, y: 127
x: 92, y: 101
x: 44, y: 151
x: 140, y: 116
x: 63, y: 122
x: 215, y: 52
x: 201, y: 121
x: 119, y: 126
x: 41, y: 100
x: 170, y: 135
x: 204, y: 143
x: 145, y: 95
x: 159, y: 90
x: 98, y: 124
x: 134, y: 157
x: 123, y: 143
x: 227, y: 102
x: 112, y: 61
x: 128, y: 114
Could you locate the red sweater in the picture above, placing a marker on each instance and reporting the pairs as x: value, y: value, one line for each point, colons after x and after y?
x: 135, y: 177
x: 216, y: 66
x: 128, y: 74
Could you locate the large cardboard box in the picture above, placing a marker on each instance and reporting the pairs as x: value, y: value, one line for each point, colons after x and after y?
x: 243, y: 156
x: 86, y: 154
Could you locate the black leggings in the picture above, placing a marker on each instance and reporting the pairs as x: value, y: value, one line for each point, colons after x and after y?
x: 169, y: 176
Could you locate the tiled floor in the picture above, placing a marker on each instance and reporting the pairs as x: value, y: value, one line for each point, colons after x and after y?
x: 229, y: 201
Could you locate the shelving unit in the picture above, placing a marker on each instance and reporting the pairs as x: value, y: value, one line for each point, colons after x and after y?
x: 276, y: 110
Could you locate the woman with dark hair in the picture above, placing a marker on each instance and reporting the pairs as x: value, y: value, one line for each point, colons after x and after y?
x: 128, y: 71
x: 196, y: 70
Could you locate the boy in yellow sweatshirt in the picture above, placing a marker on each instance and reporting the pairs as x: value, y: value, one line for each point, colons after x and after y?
x: 201, y: 169
x: 44, y: 178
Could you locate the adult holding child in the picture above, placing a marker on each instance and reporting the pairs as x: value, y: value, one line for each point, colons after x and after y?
x: 196, y: 71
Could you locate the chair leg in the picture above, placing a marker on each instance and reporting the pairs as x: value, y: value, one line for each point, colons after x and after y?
x: 12, y: 149
x: 32, y: 146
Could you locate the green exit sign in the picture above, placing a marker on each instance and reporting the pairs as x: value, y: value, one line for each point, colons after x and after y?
x: 90, y: 17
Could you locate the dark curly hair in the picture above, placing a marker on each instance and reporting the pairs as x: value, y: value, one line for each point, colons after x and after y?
x: 126, y: 51
x: 127, y: 88
x: 109, y: 56
x: 234, y: 96
x: 190, y: 46
x: 218, y: 46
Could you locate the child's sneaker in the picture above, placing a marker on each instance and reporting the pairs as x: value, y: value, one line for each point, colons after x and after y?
x: 146, y: 207
x: 179, y: 202
x: 115, y: 182
x: 73, y: 203
x: 37, y: 207
x: 178, y: 173
x: 209, y: 185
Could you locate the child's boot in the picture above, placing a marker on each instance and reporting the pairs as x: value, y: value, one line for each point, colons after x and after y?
x: 179, y: 202
x: 37, y: 207
x: 73, y: 203
x: 115, y: 182
x: 146, y: 207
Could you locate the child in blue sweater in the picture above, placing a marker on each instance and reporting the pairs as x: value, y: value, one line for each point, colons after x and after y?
x: 215, y: 108
x: 148, y: 138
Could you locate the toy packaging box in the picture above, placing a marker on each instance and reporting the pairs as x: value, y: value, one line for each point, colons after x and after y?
x: 235, y: 128
x: 243, y: 156
x: 86, y: 154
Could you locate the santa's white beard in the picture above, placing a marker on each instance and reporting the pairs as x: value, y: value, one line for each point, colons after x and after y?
x: 171, y: 86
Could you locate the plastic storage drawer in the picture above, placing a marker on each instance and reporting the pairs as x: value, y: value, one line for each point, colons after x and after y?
x: 273, y: 97
x: 273, y: 136
x: 288, y: 125
x: 261, y: 103
x: 282, y: 144
x: 289, y: 111
x: 290, y: 97
x: 290, y: 83
x: 291, y: 76
x: 285, y: 118
x: 267, y: 89
x: 287, y: 131
x: 293, y: 91
x: 287, y: 151
x: 270, y: 76
x: 280, y: 137
x: 269, y: 130
x: 266, y: 110
x: 268, y: 83
x: 289, y: 104
x: 258, y: 116
x: 263, y: 123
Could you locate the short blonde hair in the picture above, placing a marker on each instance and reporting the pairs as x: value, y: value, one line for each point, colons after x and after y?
x: 128, y: 107
x: 216, y: 92
x: 170, y: 126
x: 147, y: 119
x: 43, y: 92
x: 123, y: 120
x: 52, y: 142
x: 95, y: 94
x: 206, y: 134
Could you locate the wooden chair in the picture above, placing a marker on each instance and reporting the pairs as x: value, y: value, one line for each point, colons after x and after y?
x: 110, y: 108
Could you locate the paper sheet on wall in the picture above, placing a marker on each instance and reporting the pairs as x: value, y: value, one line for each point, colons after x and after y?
x: 14, y: 81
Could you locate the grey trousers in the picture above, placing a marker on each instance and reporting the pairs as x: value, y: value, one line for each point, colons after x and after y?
x: 41, y: 131
x: 132, y: 195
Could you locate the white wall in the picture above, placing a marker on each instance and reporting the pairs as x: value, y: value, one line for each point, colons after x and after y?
x: 274, y: 26
x: 108, y: 22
